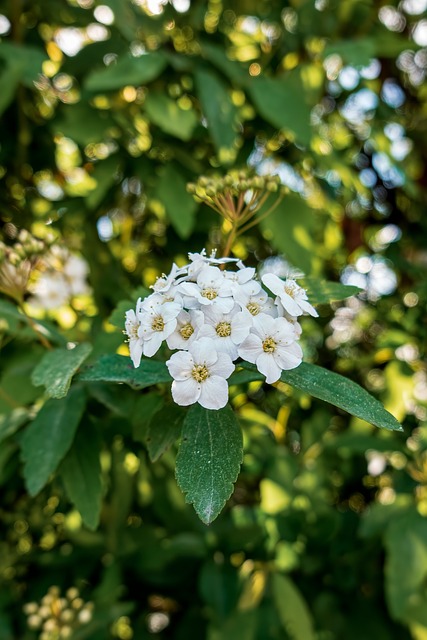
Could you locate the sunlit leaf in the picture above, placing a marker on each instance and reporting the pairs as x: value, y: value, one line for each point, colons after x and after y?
x: 324, y: 292
x: 169, y: 116
x: 128, y: 70
x: 292, y: 609
x: 179, y: 204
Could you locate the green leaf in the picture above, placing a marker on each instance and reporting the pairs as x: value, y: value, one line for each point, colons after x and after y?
x: 292, y: 609
x: 128, y: 70
x: 291, y: 229
x: 339, y: 391
x: 169, y: 116
x: 105, y: 175
x: 146, y: 406
x: 57, y: 368
x: 164, y: 429
x: 406, y: 567
x: 49, y: 436
x: 209, y: 459
x: 115, y: 368
x: 9, y: 81
x: 180, y: 206
x: 219, y: 111
x: 281, y: 101
x: 30, y: 59
x: 324, y: 292
x: 11, y: 422
x: 84, y: 125
x: 81, y: 473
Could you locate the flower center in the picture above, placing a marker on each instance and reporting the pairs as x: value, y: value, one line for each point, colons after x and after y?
x: 186, y: 331
x: 210, y: 294
x: 200, y: 372
x: 223, y: 329
x: 253, y: 308
x: 290, y: 289
x: 269, y: 345
x: 158, y: 323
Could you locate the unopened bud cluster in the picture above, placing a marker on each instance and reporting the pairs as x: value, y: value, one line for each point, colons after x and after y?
x: 18, y: 260
x: 237, y: 196
x: 58, y: 617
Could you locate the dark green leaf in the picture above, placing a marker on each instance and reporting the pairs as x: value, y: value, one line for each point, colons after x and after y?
x: 57, y: 368
x: 209, y: 459
x: 30, y: 59
x: 128, y: 70
x: 293, y: 610
x: 324, y: 292
x: 220, y: 113
x: 81, y: 473
x: 169, y: 116
x: 11, y: 422
x: 49, y: 436
x: 146, y: 406
x: 339, y: 391
x: 84, y: 125
x: 164, y: 429
x: 115, y: 368
x: 180, y: 206
x: 406, y: 567
x: 281, y: 101
x: 9, y: 81
x: 105, y: 175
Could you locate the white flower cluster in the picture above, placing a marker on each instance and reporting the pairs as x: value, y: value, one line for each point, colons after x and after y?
x: 213, y: 317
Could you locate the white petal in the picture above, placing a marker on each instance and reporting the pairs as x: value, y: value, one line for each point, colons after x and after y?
x: 240, y: 327
x: 169, y: 328
x: 185, y: 392
x: 264, y: 325
x: 151, y: 346
x: 135, y: 348
x: 224, y: 305
x: 274, y: 283
x: 250, y: 348
x: 180, y: 365
x: 308, y: 308
x: 207, y: 331
x: 227, y: 346
x: 223, y: 366
x: 204, y: 352
x: 288, y: 357
x: 214, y: 393
x: 289, y: 304
x: 268, y: 367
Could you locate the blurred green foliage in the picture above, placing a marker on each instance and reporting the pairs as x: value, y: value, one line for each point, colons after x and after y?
x: 108, y: 110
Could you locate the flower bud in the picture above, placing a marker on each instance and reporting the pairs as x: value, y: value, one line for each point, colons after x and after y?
x: 34, y: 621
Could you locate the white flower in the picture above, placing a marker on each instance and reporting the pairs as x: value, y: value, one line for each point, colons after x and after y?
x: 211, y: 288
x: 132, y: 325
x: 51, y: 290
x: 200, y: 375
x: 256, y: 301
x: 157, y: 325
x: 292, y: 296
x: 242, y: 281
x: 282, y: 313
x: 187, y: 329
x: 271, y: 347
x: 164, y: 283
x: 227, y: 330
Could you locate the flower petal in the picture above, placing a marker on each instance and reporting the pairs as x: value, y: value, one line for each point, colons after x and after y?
x: 135, y: 348
x: 203, y: 351
x: 273, y: 282
x: 250, y: 348
x: 151, y: 346
x: 267, y: 365
x: 180, y: 365
x: 214, y: 393
x: 185, y: 392
x: 223, y: 366
x: 288, y: 357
